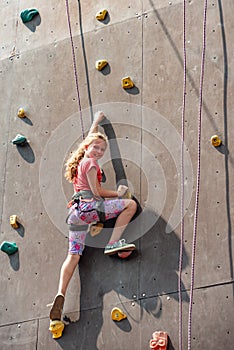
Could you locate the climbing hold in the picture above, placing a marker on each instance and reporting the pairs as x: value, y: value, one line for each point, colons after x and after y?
x: 101, y: 64
x: 159, y: 341
x: 127, y: 195
x: 101, y: 15
x: 28, y: 14
x: 13, y: 221
x: 216, y: 141
x: 117, y: 314
x: 127, y: 83
x: 95, y: 229
x: 122, y: 190
x: 21, y: 113
x: 56, y: 328
x: 124, y: 255
x: 9, y: 247
x: 19, y: 140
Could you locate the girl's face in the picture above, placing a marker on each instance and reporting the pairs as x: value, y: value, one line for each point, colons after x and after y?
x: 96, y: 149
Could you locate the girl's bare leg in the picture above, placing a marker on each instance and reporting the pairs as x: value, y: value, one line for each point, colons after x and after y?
x: 123, y: 219
x: 67, y: 271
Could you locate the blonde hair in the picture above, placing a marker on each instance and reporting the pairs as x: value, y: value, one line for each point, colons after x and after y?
x: 73, y: 161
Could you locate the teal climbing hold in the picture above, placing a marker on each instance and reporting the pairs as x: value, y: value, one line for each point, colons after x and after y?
x: 19, y: 140
x: 28, y: 14
x: 9, y: 247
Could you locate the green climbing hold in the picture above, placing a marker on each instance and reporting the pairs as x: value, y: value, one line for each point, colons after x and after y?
x: 19, y: 140
x: 9, y: 247
x: 27, y: 15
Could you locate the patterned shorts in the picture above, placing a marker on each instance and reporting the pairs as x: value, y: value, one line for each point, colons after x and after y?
x: 87, y: 214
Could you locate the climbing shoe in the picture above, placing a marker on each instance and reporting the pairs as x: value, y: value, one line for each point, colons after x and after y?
x: 57, y: 308
x: 118, y: 246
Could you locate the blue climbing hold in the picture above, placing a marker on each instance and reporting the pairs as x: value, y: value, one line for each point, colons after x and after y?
x: 9, y: 247
x: 28, y: 14
x: 19, y: 140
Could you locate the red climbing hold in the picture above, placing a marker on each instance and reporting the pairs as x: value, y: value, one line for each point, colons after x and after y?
x: 159, y: 341
x: 124, y: 255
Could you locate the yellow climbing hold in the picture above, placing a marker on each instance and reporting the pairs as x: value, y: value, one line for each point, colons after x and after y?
x: 117, y: 314
x: 216, y: 141
x: 127, y: 83
x: 13, y: 221
x: 21, y: 113
x: 56, y: 328
x: 101, y: 64
x: 95, y: 229
x: 127, y: 195
x: 101, y: 15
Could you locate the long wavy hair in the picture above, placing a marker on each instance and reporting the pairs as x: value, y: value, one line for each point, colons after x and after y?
x: 77, y: 155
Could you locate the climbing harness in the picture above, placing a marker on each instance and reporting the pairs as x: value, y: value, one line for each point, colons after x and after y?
x: 182, y: 178
x: 75, y: 70
x: 87, y: 196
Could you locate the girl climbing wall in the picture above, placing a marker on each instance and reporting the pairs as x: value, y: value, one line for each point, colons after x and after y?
x: 90, y: 205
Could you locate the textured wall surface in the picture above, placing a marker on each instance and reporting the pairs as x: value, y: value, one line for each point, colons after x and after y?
x: 142, y: 39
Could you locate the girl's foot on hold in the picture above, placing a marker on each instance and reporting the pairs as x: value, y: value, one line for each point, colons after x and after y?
x: 57, y: 308
x: 115, y: 247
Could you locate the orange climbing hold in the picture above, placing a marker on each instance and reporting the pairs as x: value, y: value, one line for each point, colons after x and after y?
x: 159, y: 341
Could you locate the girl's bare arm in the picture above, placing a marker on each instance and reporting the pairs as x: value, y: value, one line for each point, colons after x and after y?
x: 96, y: 188
x: 106, y: 193
x: 98, y: 117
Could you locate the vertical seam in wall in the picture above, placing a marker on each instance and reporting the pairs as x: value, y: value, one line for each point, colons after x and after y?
x: 8, y: 124
x: 225, y: 119
x: 142, y: 77
x: 4, y: 174
x: 37, y: 334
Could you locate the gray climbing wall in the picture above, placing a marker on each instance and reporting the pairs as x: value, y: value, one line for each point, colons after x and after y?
x: 142, y: 39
